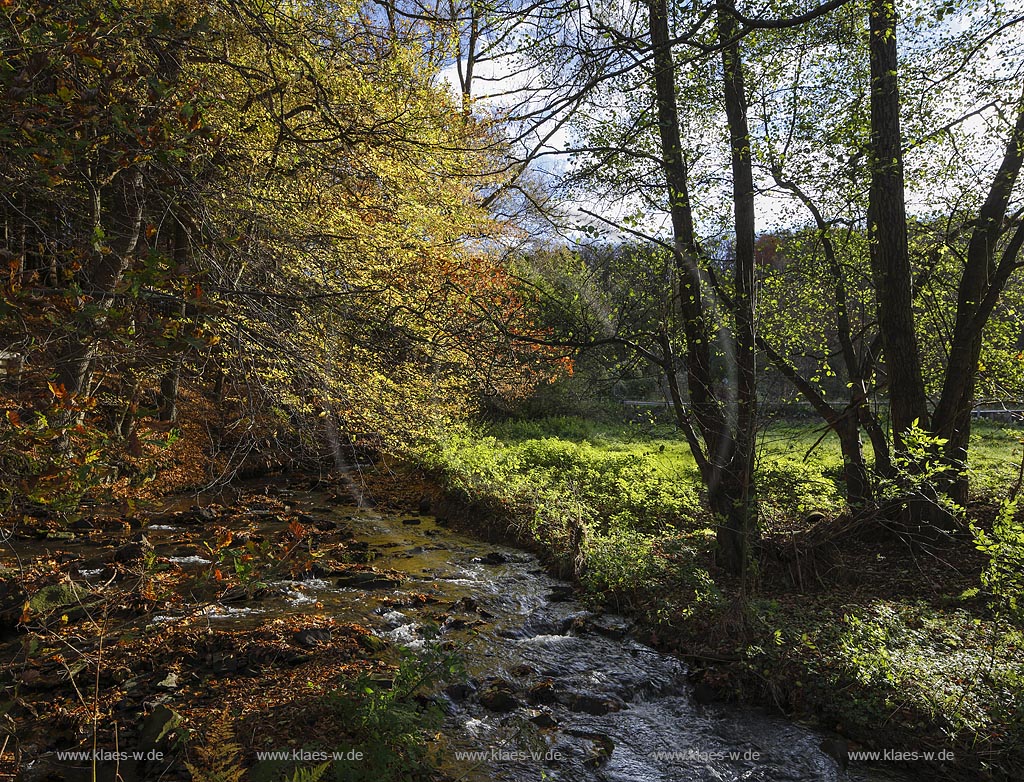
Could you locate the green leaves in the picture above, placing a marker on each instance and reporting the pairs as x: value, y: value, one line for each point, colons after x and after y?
x: 1003, y: 579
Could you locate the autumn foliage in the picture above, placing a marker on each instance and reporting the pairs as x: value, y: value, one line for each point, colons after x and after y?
x: 272, y: 209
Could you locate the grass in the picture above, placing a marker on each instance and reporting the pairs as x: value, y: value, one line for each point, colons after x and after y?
x: 891, y: 646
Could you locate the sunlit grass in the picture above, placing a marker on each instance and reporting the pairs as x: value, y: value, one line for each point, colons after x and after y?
x: 898, y: 652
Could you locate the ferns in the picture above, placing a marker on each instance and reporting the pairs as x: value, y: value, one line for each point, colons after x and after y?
x: 219, y: 759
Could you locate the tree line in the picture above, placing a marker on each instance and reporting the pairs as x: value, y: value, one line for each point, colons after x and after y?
x: 288, y: 198
x: 274, y: 205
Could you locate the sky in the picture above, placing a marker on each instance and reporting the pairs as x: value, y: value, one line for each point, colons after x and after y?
x: 981, y: 136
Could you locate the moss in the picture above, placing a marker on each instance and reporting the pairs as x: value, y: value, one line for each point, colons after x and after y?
x: 55, y: 596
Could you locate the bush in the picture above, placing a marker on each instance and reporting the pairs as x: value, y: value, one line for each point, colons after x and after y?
x: 1003, y: 579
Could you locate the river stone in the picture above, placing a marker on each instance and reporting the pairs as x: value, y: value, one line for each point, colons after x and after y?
x: 57, y: 596
x: 591, y: 704
x: 602, y: 747
x: 493, y: 558
x: 203, y: 515
x: 574, y: 624
x: 614, y: 628
x: 544, y: 720
x: 169, y: 682
x: 561, y: 594
x: 465, y: 604
x: 372, y: 643
x: 367, y: 579
x: 459, y: 691
x: 498, y: 697
x: 155, y: 727
x: 134, y: 551
x: 312, y: 637
x: 542, y: 692
x: 319, y: 523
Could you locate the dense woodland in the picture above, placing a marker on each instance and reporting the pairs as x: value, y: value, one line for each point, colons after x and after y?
x: 245, y: 239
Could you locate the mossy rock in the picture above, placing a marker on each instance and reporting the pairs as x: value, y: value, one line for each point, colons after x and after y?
x: 56, y: 596
x: 372, y: 643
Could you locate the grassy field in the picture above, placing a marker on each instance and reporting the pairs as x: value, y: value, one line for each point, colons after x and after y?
x: 890, y: 645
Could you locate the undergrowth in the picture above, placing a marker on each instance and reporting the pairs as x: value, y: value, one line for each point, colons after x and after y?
x: 901, y: 653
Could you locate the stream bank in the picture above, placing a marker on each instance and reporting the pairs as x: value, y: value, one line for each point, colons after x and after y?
x: 774, y: 648
x: 291, y: 619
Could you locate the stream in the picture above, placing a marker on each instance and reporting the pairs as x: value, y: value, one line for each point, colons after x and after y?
x: 554, y: 691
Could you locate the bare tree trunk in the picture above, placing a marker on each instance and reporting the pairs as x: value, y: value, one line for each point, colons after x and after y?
x: 887, y: 227
x: 981, y: 284
x: 728, y: 442
x: 737, y: 536
x: 707, y: 413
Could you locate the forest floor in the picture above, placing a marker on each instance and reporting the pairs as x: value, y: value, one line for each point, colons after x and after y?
x: 894, y: 646
x: 890, y: 645
x: 130, y: 633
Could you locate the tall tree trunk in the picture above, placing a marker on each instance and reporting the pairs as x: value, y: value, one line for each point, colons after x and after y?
x: 855, y: 471
x: 124, y: 227
x: 169, y: 383
x: 887, y: 228
x: 980, y: 285
x: 735, y: 539
x: 707, y: 413
x: 728, y: 472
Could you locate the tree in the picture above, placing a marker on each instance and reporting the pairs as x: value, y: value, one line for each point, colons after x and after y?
x: 283, y: 193
x: 620, y: 147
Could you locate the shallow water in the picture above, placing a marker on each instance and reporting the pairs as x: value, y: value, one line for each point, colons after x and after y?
x: 579, y: 699
x: 646, y: 726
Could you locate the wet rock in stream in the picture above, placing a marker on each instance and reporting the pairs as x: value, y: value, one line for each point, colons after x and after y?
x: 542, y: 692
x: 544, y: 720
x: 493, y: 558
x: 590, y: 704
x: 367, y: 579
x: 498, y: 697
x: 133, y: 552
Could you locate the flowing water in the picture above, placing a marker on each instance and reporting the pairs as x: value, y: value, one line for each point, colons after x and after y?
x: 555, y: 691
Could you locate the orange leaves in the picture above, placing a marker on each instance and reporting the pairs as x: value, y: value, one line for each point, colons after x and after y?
x: 297, y: 530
